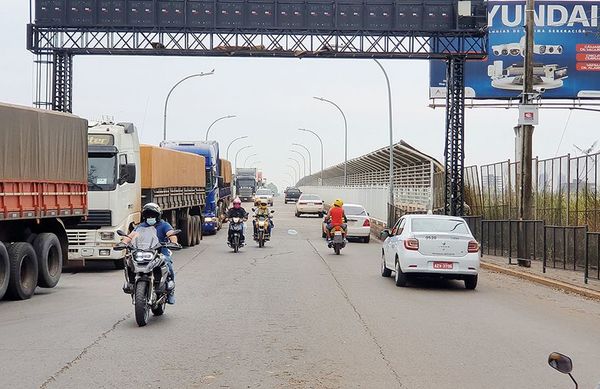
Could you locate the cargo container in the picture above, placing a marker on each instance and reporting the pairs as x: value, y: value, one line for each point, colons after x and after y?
x: 43, y: 191
x: 122, y: 177
x: 218, y: 180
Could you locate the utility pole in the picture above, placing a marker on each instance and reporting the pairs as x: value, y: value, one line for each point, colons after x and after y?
x: 524, y: 141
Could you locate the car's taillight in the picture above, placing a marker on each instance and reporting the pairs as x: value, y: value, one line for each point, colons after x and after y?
x: 473, y: 246
x: 411, y: 244
x: 301, y: 202
x: 367, y: 223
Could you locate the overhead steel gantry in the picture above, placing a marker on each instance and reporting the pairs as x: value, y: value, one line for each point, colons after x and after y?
x: 450, y: 30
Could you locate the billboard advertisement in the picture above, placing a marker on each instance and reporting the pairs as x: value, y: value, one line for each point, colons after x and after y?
x: 566, y: 52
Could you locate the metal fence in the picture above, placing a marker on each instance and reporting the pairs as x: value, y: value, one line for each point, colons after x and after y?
x: 565, y: 190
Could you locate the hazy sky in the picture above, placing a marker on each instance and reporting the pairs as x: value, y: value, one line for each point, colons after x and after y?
x: 273, y: 97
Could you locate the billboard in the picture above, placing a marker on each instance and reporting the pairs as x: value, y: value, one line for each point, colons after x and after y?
x: 566, y: 52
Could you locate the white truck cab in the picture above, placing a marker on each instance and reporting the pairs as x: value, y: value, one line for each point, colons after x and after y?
x: 114, y: 192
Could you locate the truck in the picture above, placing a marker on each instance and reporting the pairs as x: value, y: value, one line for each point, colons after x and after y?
x: 245, y: 183
x: 43, y: 191
x: 122, y: 177
x: 218, y: 181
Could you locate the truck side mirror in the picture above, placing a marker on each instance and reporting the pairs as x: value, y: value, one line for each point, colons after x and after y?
x: 127, y: 174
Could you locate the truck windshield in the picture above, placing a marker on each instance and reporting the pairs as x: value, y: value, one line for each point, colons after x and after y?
x: 102, y: 172
x: 246, y: 182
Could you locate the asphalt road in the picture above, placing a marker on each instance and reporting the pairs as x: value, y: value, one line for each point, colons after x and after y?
x: 293, y: 315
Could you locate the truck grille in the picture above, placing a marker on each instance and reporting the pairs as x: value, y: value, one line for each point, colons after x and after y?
x: 80, y: 238
x: 97, y: 219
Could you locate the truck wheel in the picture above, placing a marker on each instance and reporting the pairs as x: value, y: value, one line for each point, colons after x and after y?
x: 49, y: 256
x: 23, y: 271
x: 199, y: 223
x: 184, y: 226
x: 197, y: 227
x: 4, y: 270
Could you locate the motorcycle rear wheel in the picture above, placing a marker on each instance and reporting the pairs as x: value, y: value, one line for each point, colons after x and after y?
x: 337, y: 249
x: 142, y: 311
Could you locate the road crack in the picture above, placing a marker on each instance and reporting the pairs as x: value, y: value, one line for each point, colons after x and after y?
x: 83, y: 352
x: 359, y: 316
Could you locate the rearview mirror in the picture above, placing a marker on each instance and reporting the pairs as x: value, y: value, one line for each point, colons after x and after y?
x: 384, y: 234
x: 560, y: 362
x: 127, y: 174
x: 253, y: 210
x: 272, y: 211
x: 121, y: 233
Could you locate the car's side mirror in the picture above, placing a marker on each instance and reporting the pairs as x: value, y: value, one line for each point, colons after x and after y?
x: 127, y: 173
x: 384, y: 234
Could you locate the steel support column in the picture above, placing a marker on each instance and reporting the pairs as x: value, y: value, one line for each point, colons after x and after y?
x: 454, y: 152
x: 62, y: 86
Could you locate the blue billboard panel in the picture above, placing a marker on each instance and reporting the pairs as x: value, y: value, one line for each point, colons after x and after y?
x: 566, y: 52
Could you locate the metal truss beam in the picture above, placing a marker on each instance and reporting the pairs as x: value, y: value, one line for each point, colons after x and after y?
x: 259, y: 43
x: 455, y: 146
x: 62, y: 86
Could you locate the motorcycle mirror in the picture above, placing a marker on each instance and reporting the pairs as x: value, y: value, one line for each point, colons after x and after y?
x: 272, y: 211
x: 560, y: 362
x: 121, y: 233
x: 253, y: 210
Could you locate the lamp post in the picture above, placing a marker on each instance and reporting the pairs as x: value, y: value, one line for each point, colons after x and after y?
x: 309, y: 156
x: 213, y: 123
x: 303, y: 159
x: 299, y: 167
x: 391, y: 172
x: 230, y: 143
x: 238, y: 152
x: 171, y: 91
x: 320, y: 141
x: 345, y: 136
x: 248, y: 157
x: 296, y: 178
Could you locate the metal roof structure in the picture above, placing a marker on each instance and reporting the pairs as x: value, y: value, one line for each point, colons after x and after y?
x: 405, y: 156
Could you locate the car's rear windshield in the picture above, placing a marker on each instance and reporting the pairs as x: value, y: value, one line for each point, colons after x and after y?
x: 293, y: 191
x: 310, y: 197
x: 354, y: 210
x: 263, y: 192
x: 455, y: 226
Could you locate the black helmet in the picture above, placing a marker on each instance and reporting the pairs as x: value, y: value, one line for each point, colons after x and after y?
x: 151, y: 210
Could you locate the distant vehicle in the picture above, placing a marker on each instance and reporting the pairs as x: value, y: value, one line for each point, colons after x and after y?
x: 264, y: 194
x: 359, y: 223
x: 309, y: 204
x: 245, y: 183
x: 430, y: 245
x: 292, y: 195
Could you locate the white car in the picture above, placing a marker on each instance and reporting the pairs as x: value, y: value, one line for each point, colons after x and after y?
x: 264, y: 194
x: 359, y: 222
x: 430, y: 245
x: 309, y: 204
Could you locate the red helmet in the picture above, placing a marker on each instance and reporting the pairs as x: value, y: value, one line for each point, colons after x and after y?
x: 237, y: 202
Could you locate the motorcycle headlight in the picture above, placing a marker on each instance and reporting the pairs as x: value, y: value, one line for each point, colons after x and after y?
x: 208, y: 219
x: 261, y: 224
x: 143, y: 256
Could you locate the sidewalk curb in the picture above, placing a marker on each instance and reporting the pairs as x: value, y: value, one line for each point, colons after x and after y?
x: 564, y: 286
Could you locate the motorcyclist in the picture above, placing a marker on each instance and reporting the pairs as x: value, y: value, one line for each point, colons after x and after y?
x: 151, y: 214
x: 263, y: 210
x: 237, y: 211
x: 336, y: 218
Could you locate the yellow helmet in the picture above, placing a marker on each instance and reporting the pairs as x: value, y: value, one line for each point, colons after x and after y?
x: 338, y: 202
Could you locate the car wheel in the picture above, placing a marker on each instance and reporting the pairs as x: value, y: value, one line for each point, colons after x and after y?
x: 366, y: 239
x: 297, y: 214
x: 400, y: 277
x: 471, y: 282
x: 385, y: 272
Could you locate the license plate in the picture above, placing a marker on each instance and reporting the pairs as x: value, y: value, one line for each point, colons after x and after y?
x: 443, y: 265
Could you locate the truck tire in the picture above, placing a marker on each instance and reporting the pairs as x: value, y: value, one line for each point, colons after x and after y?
x: 198, y: 222
x: 49, y: 256
x: 184, y: 226
x: 4, y: 270
x: 195, y: 230
x: 23, y: 271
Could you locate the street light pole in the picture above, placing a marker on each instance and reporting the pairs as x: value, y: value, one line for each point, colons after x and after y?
x: 299, y: 167
x: 213, y: 123
x: 345, y: 136
x: 296, y: 178
x: 171, y: 91
x: 320, y: 141
x: 248, y: 157
x: 309, y: 156
x: 230, y: 143
x: 303, y: 159
x: 391, y: 213
x: 238, y: 152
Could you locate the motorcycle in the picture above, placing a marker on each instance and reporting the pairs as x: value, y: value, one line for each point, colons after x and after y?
x: 145, y: 265
x: 236, y: 226
x: 339, y: 240
x: 563, y: 364
x: 263, y: 234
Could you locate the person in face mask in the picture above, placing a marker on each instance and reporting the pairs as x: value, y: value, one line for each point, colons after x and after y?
x: 151, y: 214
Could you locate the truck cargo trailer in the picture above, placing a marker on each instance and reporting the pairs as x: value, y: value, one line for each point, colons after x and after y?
x: 123, y: 176
x: 43, y: 191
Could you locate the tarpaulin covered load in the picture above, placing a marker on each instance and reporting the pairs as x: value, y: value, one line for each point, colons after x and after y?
x: 39, y: 145
x: 226, y: 171
x: 166, y: 168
